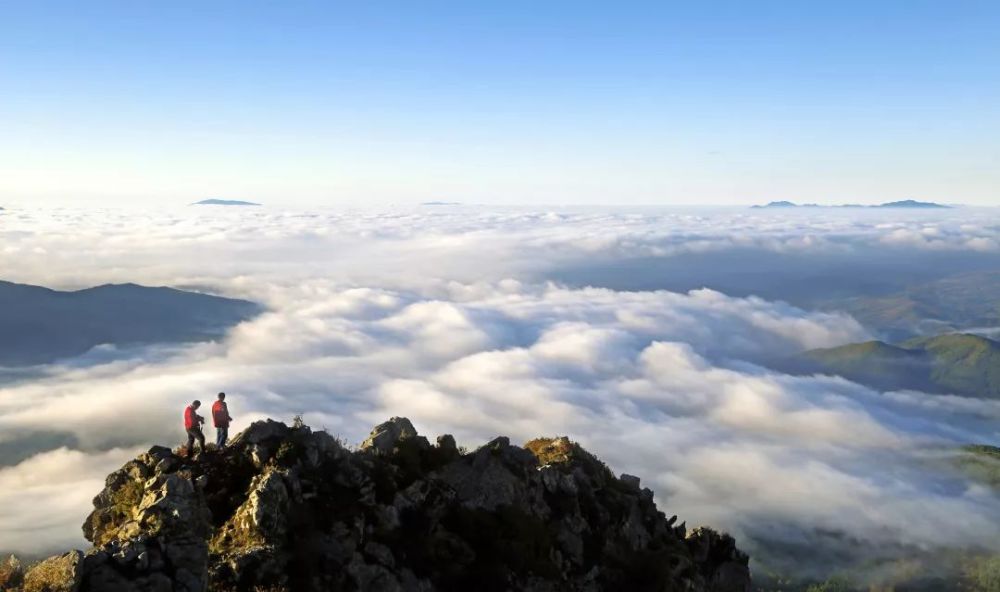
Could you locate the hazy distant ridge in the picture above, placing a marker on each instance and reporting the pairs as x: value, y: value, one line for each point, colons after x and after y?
x: 906, y: 203
x: 40, y: 325
x: 224, y: 202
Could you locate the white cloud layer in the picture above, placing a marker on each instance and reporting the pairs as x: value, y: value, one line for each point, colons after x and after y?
x: 448, y: 243
x: 440, y: 317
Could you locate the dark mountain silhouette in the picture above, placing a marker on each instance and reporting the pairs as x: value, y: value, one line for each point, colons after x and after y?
x: 224, y: 202
x: 40, y: 325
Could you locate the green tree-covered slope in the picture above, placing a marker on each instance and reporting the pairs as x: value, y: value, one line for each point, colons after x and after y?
x: 959, y: 364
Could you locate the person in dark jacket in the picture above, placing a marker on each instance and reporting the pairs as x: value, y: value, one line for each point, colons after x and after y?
x: 192, y: 425
x: 221, y: 419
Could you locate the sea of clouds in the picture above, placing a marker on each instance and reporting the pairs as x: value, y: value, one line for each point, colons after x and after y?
x: 450, y: 316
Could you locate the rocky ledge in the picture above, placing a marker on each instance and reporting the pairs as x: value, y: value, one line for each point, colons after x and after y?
x: 289, y: 509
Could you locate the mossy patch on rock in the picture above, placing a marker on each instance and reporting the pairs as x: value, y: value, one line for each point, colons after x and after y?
x: 552, y: 451
x: 56, y: 574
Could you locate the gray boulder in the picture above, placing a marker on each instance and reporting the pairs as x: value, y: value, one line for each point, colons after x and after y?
x: 386, y: 437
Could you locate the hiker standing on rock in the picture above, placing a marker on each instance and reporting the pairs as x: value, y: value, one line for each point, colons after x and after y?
x: 221, y: 419
x: 192, y: 424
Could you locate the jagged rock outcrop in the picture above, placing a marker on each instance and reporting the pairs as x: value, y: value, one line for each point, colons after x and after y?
x: 286, y: 508
x: 387, y: 436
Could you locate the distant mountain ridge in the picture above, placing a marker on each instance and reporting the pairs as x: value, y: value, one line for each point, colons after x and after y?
x: 224, y: 202
x: 906, y: 203
x: 956, y: 363
x: 39, y: 325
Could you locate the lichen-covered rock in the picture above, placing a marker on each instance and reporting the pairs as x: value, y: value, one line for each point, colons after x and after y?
x: 288, y: 509
x: 56, y: 574
x: 150, y: 528
x: 261, y: 519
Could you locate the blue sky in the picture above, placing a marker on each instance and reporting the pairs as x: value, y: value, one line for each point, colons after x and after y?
x: 510, y: 102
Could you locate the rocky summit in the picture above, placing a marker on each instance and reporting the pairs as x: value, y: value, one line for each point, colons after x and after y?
x: 285, y: 508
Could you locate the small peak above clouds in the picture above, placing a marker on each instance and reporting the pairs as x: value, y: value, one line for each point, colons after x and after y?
x: 910, y: 203
x: 224, y: 202
x: 906, y: 203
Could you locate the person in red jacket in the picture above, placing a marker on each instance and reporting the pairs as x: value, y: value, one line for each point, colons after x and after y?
x: 221, y: 419
x: 192, y: 424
